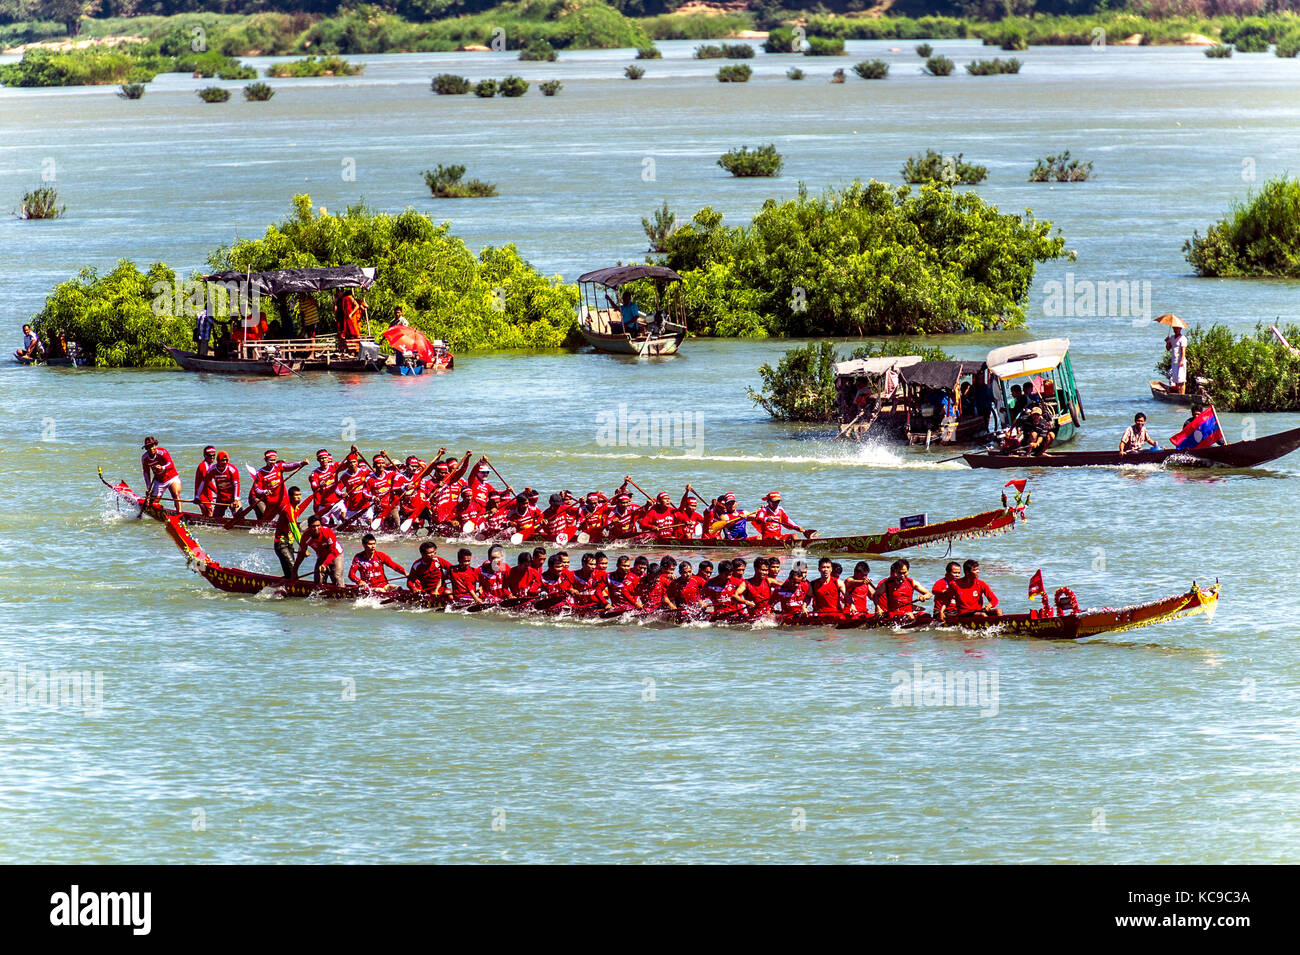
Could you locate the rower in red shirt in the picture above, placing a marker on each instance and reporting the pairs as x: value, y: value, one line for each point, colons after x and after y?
x: 687, y: 589
x: 324, y: 482
x: 760, y: 588
x: 689, y: 521
x: 859, y: 591
x: 221, y: 486
x: 944, y: 597
x: 973, y: 599
x: 722, y: 593
x: 827, y: 592
x: 329, y: 555
x: 367, y: 570
x: 478, y: 483
x: 659, y: 518
x: 772, y: 521
x: 379, y: 487
x: 561, y: 518
x: 449, y: 481
x: 901, y: 595
x: 492, y: 574
x: 524, y: 580
x: 591, y: 516
x: 525, y: 519
x: 558, y: 584
x: 593, y: 583
x: 203, y: 497
x: 159, y: 472
x: 416, y: 495
x: 792, y: 596
x: 652, y: 592
x: 267, y: 493
x: 625, y: 581
x: 465, y: 587
x: 284, y: 534
x: 352, y: 478
x: 620, y: 520
x: 430, y: 574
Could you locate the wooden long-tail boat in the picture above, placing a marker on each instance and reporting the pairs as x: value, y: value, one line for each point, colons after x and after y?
x: 983, y: 524
x: 271, y: 367
x: 1236, y: 454
x: 1066, y: 626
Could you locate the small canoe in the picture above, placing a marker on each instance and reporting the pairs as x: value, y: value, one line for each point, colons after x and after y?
x: 1162, y: 392
x: 272, y: 368
x: 1068, y: 626
x: 1238, y: 454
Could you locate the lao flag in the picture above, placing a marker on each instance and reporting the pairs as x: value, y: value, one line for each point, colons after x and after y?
x: 1036, y: 585
x: 1201, y: 432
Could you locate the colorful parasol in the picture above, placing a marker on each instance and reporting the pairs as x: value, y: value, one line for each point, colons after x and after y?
x: 406, y: 338
x: 1170, y: 319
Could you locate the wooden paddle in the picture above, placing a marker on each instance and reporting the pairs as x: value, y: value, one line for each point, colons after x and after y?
x: 504, y: 482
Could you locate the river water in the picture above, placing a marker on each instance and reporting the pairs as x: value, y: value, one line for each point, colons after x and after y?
x: 234, y: 729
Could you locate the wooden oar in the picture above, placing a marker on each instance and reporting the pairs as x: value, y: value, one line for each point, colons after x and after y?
x: 628, y: 479
x: 504, y: 482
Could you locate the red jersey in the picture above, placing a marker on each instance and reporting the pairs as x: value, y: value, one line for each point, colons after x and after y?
x: 686, y: 521
x: 445, y: 498
x: 221, y: 484
x: 464, y: 580
x: 369, y: 571
x: 771, y: 522
x: 157, y: 465
x: 200, y: 492
x: 793, y: 595
x: 429, y: 575
x: 652, y: 589
x: 268, y: 481
x: 526, y: 523
x: 826, y: 596
x: 492, y: 581
x: 523, y: 580
x: 481, y: 490
x: 658, y: 522
x: 722, y: 593
x: 352, y: 486
x: 562, y: 582
x: 686, y: 591
x: 324, y: 542
x: 760, y: 590
x: 857, y: 596
x: 897, y: 596
x: 966, y: 597
x: 620, y: 525
x: 379, y: 484
x: 324, y: 484
x: 561, y: 520
x: 593, y: 588
x: 622, y: 592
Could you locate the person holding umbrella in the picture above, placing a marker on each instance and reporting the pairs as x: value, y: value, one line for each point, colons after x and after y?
x: 1176, y: 345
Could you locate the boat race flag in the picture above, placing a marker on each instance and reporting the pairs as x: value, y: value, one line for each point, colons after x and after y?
x: 1036, y: 584
x: 1019, y: 485
x: 1201, y: 432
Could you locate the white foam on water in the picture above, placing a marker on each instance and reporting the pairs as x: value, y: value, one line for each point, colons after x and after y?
x: 852, y: 455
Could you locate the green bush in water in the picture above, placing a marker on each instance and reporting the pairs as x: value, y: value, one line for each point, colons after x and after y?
x: 1253, y: 373
x: 1258, y: 238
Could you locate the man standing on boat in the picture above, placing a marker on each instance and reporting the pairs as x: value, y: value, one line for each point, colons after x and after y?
x: 220, y: 487
x: 285, y: 535
x: 203, y: 496
x: 203, y: 331
x: 159, y: 472
x: 1136, y: 437
x: 1177, y: 345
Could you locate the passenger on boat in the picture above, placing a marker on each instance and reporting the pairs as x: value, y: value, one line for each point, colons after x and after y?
x: 159, y: 472
x: 219, y: 490
x: 203, y: 331
x: 1018, y: 404
x: 32, y: 349
x: 1177, y: 344
x: 1040, y: 434
x: 1135, y: 437
x: 630, y: 313
x: 329, y: 555
x: 348, y: 313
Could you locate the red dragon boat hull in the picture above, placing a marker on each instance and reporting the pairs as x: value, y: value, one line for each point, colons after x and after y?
x: 984, y: 524
x: 1077, y: 626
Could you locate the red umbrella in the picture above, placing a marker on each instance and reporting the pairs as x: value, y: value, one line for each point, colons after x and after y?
x: 406, y: 338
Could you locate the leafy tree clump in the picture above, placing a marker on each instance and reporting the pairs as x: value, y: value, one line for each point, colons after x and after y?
x: 869, y: 259
x: 1220, y: 51
x: 214, y: 94
x: 316, y: 66
x: 539, y: 49
x: 113, y: 317
x: 258, y: 92
x: 449, y: 84
x: 444, y: 182
x: 42, y: 203
x: 659, y: 229
x: 993, y: 67
x: 131, y: 90
x: 1288, y: 45
x: 513, y: 86
x: 650, y: 52
x: 1253, y: 373
x: 634, y: 72
x: 1060, y: 169
x: 485, y: 89
x: 781, y: 40
x: 802, y: 386
x: 744, y: 162
x: 1251, y: 35
x: 1258, y: 238
x: 92, y: 66
x: 872, y: 69
x: 924, y: 50
x: 938, y: 168
x: 794, y: 73
x: 550, y: 87
x: 735, y: 73
x: 938, y: 66
x: 824, y: 46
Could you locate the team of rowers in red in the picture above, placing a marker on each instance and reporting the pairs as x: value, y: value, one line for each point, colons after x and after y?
x: 452, y: 498
x: 665, y: 586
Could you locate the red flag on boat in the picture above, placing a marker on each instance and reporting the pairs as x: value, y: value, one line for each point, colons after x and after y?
x: 1036, y: 587
x: 1019, y: 485
x: 406, y: 338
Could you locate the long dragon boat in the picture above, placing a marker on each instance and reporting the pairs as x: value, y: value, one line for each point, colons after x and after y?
x: 984, y: 524
x: 1061, y: 626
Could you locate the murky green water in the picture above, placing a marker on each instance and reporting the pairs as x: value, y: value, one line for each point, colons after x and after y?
x: 226, y: 731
